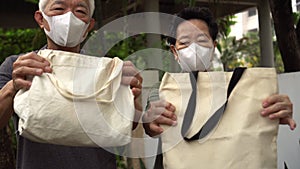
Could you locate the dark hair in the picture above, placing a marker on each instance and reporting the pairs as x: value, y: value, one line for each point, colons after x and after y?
x: 189, y: 13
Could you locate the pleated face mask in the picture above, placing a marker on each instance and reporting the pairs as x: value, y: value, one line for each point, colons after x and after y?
x: 195, y: 58
x: 66, y: 30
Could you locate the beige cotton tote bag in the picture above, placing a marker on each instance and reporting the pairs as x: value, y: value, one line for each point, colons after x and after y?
x: 81, y: 103
x: 219, y: 121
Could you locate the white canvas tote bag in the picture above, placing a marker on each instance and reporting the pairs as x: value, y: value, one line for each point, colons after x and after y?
x: 219, y: 121
x: 81, y: 103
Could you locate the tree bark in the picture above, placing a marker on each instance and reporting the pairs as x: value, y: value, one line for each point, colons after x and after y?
x: 287, y: 35
x: 298, y: 32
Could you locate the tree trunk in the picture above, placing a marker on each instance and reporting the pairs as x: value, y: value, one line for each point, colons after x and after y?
x: 7, y: 159
x: 98, y: 14
x: 287, y: 36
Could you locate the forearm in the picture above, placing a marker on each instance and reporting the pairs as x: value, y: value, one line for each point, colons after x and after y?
x: 7, y: 94
x: 136, y: 119
x: 138, y: 112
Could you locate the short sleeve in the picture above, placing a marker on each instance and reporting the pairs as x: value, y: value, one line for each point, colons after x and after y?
x: 6, y: 70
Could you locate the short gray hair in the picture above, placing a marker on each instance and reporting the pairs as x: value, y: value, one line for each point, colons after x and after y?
x: 43, y: 3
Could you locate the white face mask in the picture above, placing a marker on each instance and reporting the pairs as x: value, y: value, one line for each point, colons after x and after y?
x: 66, y: 30
x: 195, y: 58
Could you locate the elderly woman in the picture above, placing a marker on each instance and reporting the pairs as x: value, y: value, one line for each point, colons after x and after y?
x: 198, y: 32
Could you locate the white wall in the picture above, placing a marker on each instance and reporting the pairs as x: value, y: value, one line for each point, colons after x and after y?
x: 245, y: 23
x: 237, y: 29
x: 289, y: 141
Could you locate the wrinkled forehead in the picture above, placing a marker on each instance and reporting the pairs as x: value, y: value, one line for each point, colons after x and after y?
x: 84, y: 3
x: 193, y: 28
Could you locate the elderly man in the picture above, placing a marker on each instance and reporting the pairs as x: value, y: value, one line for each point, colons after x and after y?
x: 56, y: 17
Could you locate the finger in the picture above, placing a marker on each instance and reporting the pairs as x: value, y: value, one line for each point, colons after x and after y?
x: 30, y: 63
x: 158, y: 111
x: 170, y: 115
x: 160, y: 115
x: 135, y: 83
x: 280, y: 114
x: 21, y: 72
x: 128, y: 63
x: 129, y: 69
x: 126, y: 80
x: 165, y: 104
x: 151, y: 115
x: 136, y: 92
x: 132, y: 81
x: 33, y: 62
x: 139, y: 78
x: 131, y: 76
x: 165, y: 121
x: 274, y: 99
x: 33, y: 56
x: 289, y: 121
x: 162, y: 107
x: 292, y: 124
x: 277, y: 107
x: 154, y: 130
x: 170, y: 107
x: 21, y: 84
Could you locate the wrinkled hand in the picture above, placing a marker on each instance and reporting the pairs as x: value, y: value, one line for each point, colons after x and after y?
x: 131, y: 76
x: 26, y: 66
x: 160, y: 112
x: 279, y: 107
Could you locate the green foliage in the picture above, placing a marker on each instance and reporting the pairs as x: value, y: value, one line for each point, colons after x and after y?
x: 32, y: 1
x: 225, y: 24
x: 296, y: 16
x: 278, y: 59
x: 236, y: 52
x: 121, y: 162
x: 142, y: 164
x: 16, y: 41
x: 242, y: 52
x: 128, y: 46
x: 245, y: 52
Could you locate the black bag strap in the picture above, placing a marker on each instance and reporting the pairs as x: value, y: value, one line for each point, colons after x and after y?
x: 212, y: 121
x: 190, y: 110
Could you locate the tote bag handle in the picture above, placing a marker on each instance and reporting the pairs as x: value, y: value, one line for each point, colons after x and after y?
x: 190, y: 111
x: 70, y: 95
x: 65, y: 92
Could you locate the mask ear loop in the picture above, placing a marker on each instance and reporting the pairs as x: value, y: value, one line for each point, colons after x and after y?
x: 48, y: 19
x: 85, y: 34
